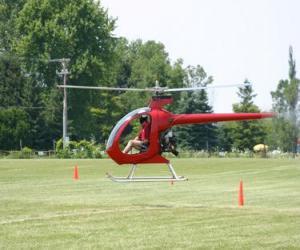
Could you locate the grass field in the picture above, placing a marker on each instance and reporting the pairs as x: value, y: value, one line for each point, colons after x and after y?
x: 42, y: 207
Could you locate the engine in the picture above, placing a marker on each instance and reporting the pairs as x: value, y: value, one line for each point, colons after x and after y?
x: 168, y: 142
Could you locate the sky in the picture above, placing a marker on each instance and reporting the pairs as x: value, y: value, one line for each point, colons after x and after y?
x: 231, y: 39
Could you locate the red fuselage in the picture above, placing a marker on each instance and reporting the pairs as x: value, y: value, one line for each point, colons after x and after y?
x: 162, y: 120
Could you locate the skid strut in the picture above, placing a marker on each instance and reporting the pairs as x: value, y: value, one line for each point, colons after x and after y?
x: 132, y: 178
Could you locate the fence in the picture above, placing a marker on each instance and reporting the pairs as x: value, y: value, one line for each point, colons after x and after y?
x: 51, y: 154
x: 27, y: 154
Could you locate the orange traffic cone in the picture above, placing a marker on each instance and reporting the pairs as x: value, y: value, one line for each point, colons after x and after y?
x: 241, y: 194
x: 76, y: 175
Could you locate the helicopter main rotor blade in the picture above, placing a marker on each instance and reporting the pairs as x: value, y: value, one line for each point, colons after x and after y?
x: 206, y: 87
x: 156, y: 89
x: 102, y: 88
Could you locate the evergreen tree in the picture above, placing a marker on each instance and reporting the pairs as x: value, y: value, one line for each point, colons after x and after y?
x: 246, y: 134
x: 225, y: 139
x: 196, y: 136
x: 12, y: 83
x: 286, y: 104
x: 14, y: 124
x: 14, y: 104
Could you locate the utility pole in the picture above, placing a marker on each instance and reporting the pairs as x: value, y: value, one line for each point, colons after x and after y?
x: 64, y: 72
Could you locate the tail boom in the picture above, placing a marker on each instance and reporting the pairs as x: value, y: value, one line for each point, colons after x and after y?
x: 211, y: 118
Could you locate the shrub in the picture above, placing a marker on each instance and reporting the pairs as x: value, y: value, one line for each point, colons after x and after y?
x: 25, y: 153
x: 82, y: 149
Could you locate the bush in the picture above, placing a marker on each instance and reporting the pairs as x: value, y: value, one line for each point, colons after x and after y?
x: 25, y: 153
x: 82, y: 150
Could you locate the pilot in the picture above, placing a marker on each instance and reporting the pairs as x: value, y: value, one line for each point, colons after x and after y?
x: 140, y: 142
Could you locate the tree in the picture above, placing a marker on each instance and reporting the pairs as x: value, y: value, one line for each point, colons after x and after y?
x: 140, y: 65
x: 80, y: 30
x: 105, y: 116
x: 225, y: 138
x: 196, y: 137
x: 246, y: 134
x: 15, y: 103
x: 286, y: 104
x: 8, y: 14
x: 12, y: 83
x: 14, y: 124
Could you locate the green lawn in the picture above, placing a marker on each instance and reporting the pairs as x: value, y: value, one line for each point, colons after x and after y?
x: 42, y: 207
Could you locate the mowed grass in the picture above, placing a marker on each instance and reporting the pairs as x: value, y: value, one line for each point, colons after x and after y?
x: 42, y: 207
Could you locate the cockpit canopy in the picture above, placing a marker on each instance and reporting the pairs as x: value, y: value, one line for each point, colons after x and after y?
x: 126, y: 118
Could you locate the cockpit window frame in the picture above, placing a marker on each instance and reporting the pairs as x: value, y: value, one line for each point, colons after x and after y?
x: 127, y: 117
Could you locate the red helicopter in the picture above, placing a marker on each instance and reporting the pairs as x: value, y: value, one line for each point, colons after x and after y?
x: 160, y: 137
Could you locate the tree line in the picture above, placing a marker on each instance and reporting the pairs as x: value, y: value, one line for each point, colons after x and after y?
x: 33, y: 32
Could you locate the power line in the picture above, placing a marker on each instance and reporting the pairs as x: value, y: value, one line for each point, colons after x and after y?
x: 22, y: 58
x: 23, y: 107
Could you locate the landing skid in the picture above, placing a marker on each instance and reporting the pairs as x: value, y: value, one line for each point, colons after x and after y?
x: 131, y: 178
